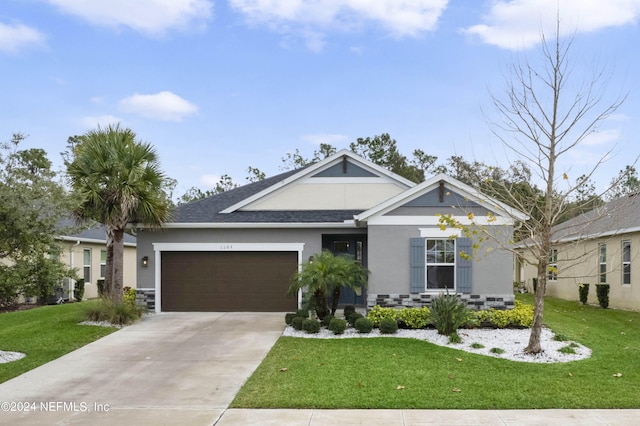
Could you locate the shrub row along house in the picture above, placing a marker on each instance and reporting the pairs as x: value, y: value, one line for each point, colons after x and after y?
x: 237, y: 251
x: 598, y: 247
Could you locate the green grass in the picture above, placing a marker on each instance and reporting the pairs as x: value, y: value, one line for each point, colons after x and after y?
x: 44, y: 334
x: 405, y: 373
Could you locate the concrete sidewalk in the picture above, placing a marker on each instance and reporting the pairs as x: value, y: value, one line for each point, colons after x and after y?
x: 236, y: 417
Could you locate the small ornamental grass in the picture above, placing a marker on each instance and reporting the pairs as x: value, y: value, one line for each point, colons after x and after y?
x: 114, y: 313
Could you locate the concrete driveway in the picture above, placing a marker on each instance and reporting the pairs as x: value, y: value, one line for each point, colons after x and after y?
x: 171, y: 368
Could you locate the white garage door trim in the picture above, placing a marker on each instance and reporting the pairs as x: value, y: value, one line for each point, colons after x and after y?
x: 158, y: 248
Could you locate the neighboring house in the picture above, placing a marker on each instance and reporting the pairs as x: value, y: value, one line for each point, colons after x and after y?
x: 86, y: 252
x: 237, y: 251
x: 598, y: 247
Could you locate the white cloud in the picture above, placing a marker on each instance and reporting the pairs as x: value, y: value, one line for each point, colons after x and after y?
x: 602, y: 137
x: 150, y: 17
x: 310, y: 19
x: 516, y: 24
x: 325, y: 138
x: 209, y: 181
x: 100, y: 120
x: 165, y: 106
x: 14, y: 38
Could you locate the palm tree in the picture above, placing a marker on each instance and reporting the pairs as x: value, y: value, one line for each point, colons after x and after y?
x: 325, y: 274
x: 117, y: 181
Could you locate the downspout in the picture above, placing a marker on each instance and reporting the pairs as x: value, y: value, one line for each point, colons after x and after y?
x: 71, y: 262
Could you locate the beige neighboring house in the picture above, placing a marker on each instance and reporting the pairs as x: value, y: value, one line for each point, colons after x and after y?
x: 86, y: 252
x: 600, y: 246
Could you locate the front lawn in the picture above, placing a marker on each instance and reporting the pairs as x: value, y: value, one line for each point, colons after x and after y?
x: 44, y: 334
x: 399, y: 373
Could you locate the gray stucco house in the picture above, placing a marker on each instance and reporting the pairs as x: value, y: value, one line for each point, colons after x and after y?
x: 236, y: 251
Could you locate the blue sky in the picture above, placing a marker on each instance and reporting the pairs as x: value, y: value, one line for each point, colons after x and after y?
x: 217, y: 86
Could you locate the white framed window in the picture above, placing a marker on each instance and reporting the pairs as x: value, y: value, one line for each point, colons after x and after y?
x: 103, y: 263
x: 86, y: 265
x: 602, y: 263
x: 440, y: 260
x: 626, y: 262
x: 552, y: 267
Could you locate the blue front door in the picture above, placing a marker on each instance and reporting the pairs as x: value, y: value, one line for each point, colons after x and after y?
x: 355, y: 246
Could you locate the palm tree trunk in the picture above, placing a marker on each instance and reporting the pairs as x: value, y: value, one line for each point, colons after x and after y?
x: 335, y: 299
x: 118, y: 261
x: 108, y: 278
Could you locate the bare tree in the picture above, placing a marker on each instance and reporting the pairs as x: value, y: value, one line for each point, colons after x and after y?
x: 544, y: 116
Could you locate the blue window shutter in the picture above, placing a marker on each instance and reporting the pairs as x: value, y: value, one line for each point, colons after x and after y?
x: 416, y: 265
x: 463, y: 266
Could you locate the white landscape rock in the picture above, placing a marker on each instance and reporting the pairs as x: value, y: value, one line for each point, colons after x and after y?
x: 6, y: 356
x: 511, y: 341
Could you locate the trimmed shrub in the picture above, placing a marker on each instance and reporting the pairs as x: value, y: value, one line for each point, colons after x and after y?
x: 415, y: 317
x: 363, y: 325
x: 583, y: 292
x: 337, y: 326
x: 348, y: 310
x: 288, y: 317
x: 310, y: 326
x: 388, y: 326
x: 130, y: 296
x: 302, y: 313
x: 78, y: 290
x: 448, y: 314
x: 327, y: 320
x: 296, y: 323
x: 351, y: 319
x: 378, y: 313
x: 521, y: 316
x: 602, y: 291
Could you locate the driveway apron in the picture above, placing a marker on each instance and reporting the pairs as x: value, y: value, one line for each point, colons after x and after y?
x: 171, y: 368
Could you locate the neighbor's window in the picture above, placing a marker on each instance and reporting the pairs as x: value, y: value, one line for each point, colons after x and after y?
x: 626, y: 262
x: 103, y: 263
x: 552, y: 267
x: 602, y: 263
x: 441, y: 264
x: 86, y: 262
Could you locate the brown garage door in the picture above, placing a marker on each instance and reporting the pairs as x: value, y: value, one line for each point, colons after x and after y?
x: 227, y: 281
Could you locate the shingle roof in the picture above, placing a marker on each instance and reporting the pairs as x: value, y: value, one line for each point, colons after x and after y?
x: 94, y: 232
x: 617, y: 216
x: 207, y: 210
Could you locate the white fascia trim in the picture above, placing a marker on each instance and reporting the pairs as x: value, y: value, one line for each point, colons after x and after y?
x: 435, y: 221
x: 439, y: 233
x: 332, y: 180
x: 158, y: 248
x: 327, y: 162
x: 91, y: 241
x: 255, y: 225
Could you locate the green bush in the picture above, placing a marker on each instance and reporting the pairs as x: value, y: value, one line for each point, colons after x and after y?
x: 448, y: 314
x: 327, y: 320
x: 289, y: 316
x: 363, y: 325
x: 378, y: 313
x: 351, y: 319
x: 302, y: 313
x: 296, y: 323
x: 337, y: 326
x: 388, y: 326
x: 602, y: 291
x: 310, y: 326
x: 78, y: 290
x: 100, y: 284
x: 348, y: 310
x: 583, y: 292
x: 415, y: 317
x: 129, y: 296
x: 521, y: 316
